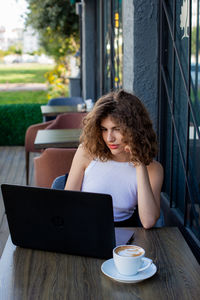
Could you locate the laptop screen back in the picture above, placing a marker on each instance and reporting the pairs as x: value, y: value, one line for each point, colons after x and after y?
x: 62, y: 221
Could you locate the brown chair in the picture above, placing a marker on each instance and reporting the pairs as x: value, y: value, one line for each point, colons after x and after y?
x: 29, y: 143
x: 68, y: 120
x: 52, y: 163
x: 63, y: 121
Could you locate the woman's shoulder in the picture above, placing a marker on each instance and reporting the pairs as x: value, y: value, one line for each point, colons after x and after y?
x: 82, y: 156
x: 155, y: 166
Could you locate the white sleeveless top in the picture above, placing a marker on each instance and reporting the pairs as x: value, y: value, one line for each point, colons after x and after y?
x: 117, y: 179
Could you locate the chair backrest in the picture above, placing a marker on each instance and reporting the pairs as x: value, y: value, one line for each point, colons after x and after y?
x: 59, y: 182
x: 68, y: 120
x: 52, y: 163
x: 31, y: 133
x: 161, y: 221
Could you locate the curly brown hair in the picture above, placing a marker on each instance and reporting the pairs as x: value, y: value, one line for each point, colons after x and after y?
x: 136, y: 127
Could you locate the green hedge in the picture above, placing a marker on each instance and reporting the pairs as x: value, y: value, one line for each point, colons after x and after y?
x: 15, y: 119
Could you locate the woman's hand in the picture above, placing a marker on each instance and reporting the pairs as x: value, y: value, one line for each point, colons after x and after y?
x: 127, y: 149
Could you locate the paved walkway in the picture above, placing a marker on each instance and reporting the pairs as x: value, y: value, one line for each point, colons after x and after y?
x: 7, y: 87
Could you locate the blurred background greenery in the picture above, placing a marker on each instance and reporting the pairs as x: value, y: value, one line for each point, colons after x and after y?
x: 23, y: 73
x: 57, y: 28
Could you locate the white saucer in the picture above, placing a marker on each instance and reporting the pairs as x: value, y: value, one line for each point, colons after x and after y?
x: 109, y: 269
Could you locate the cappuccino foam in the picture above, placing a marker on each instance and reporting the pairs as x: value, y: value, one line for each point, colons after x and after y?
x: 129, y: 251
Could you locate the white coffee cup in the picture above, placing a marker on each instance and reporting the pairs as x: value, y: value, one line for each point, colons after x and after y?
x: 129, y: 259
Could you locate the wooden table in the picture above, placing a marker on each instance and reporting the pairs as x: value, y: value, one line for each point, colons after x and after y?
x: 57, y: 138
x: 54, y: 110
x: 30, y: 274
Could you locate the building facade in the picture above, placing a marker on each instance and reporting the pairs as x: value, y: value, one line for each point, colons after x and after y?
x: 150, y: 47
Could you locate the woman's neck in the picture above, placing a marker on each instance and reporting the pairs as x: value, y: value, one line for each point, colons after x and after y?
x: 123, y: 157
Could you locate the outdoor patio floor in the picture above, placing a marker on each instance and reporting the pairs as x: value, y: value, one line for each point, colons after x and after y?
x: 12, y: 171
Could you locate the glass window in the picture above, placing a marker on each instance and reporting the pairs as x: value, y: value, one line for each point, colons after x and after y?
x: 193, y: 205
x: 180, y: 108
x: 118, y: 44
x: 109, y: 50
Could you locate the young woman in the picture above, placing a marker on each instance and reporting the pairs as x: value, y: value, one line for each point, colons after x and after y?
x: 115, y: 157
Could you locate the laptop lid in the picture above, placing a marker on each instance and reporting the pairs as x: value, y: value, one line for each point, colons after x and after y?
x: 72, y: 222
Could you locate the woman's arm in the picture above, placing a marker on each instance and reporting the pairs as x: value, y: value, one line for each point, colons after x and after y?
x: 149, y: 180
x: 79, y: 164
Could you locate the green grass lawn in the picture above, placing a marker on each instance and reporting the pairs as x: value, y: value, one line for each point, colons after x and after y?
x: 23, y: 73
x: 20, y: 97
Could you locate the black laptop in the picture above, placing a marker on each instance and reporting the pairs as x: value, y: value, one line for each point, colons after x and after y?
x: 63, y: 221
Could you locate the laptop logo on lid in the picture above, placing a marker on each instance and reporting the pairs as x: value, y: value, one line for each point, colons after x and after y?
x: 58, y: 222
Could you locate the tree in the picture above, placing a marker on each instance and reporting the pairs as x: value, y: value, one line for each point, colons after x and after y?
x: 14, y: 49
x: 57, y: 25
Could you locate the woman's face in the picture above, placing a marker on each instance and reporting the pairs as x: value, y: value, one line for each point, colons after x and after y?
x: 113, y: 137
